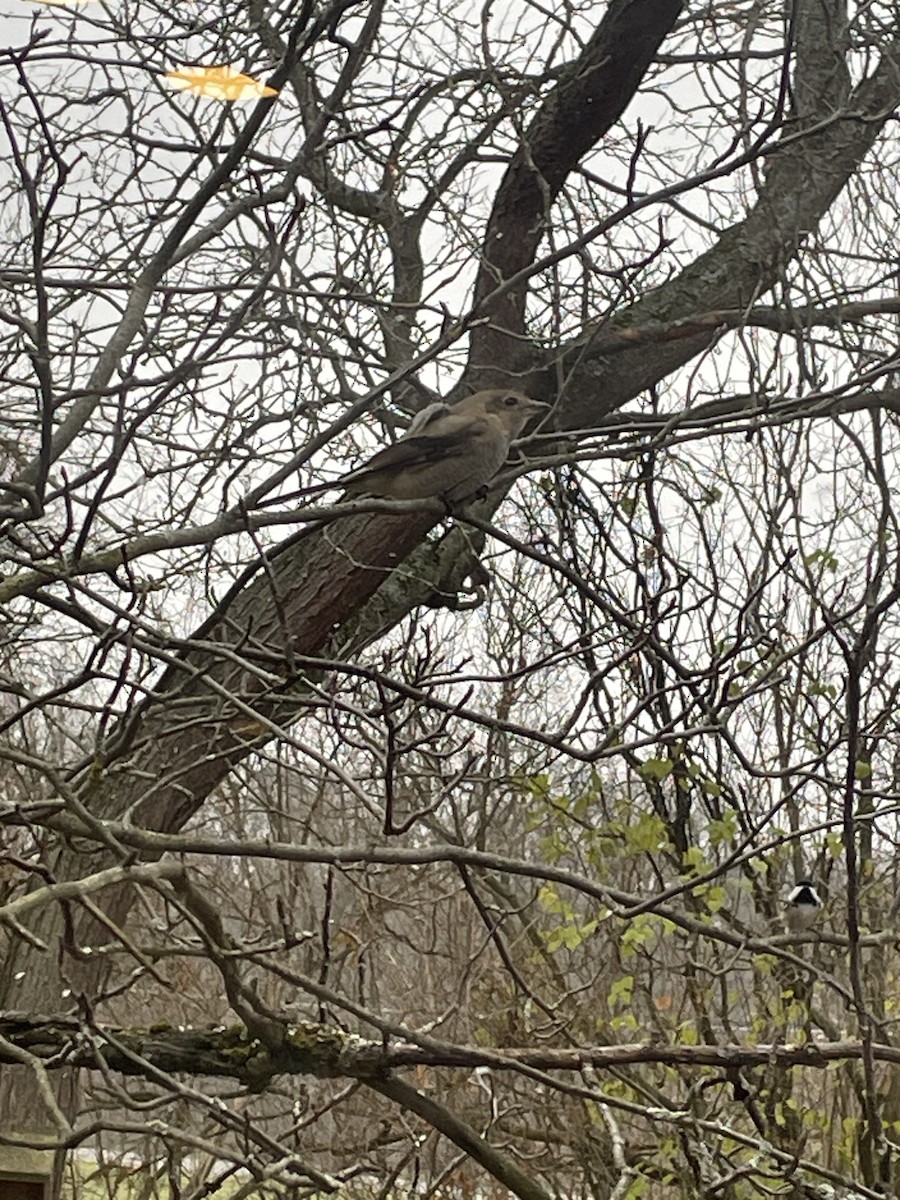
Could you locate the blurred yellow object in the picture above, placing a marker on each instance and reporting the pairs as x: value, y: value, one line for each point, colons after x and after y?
x: 219, y: 83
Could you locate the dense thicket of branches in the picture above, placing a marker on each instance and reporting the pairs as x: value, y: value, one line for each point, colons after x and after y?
x: 359, y: 845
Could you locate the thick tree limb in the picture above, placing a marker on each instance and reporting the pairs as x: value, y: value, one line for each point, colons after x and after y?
x: 292, y: 607
x: 803, y: 180
x: 780, y: 320
x: 589, y: 98
x: 328, y: 1053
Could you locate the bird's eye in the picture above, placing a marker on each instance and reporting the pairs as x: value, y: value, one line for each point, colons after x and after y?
x: 511, y: 400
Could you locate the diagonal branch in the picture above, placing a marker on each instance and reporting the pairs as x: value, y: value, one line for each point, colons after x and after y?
x: 461, y: 1134
x: 589, y: 98
x: 805, y: 177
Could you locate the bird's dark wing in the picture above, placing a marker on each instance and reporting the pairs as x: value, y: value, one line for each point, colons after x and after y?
x: 452, y: 435
x: 413, y: 452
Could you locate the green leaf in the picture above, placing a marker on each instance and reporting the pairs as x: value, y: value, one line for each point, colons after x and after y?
x: 638, y: 933
x: 825, y: 557
x: 724, y: 828
x: 694, y: 860
x: 656, y: 768
x: 645, y: 835
x: 823, y: 689
x: 571, y: 936
x: 834, y: 844
x: 621, y: 992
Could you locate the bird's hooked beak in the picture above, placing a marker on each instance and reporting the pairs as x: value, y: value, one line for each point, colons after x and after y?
x: 534, y: 407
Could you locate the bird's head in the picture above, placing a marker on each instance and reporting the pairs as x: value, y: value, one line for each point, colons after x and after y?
x: 513, y: 409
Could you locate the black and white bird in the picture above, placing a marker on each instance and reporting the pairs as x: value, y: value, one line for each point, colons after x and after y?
x: 803, y: 908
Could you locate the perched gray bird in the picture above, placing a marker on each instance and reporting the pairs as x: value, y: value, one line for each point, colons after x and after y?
x: 803, y: 908
x: 448, y: 451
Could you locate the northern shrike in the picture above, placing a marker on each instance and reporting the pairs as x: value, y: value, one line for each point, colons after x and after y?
x: 448, y: 451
